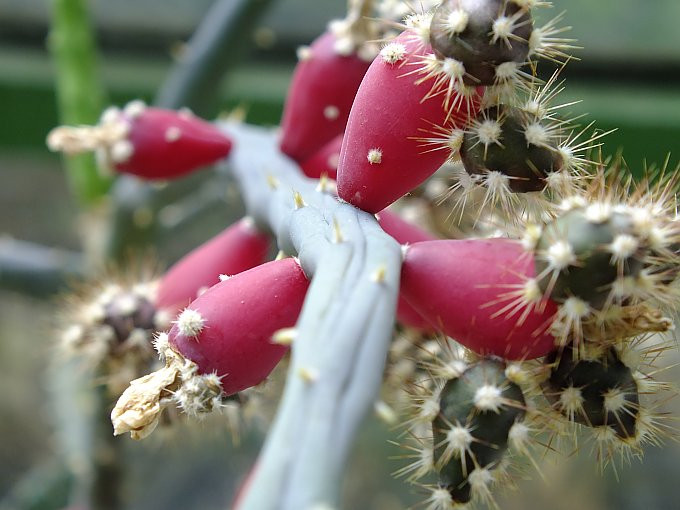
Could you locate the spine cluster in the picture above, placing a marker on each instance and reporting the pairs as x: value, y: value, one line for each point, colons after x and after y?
x: 109, y: 326
x: 537, y: 277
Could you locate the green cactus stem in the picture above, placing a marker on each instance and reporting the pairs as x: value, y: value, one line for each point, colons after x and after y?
x: 588, y: 250
x: 80, y: 92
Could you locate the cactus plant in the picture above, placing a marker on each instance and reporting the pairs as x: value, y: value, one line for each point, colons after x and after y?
x: 565, y: 270
x: 472, y: 429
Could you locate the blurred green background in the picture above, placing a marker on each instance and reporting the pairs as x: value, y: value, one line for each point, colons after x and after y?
x: 628, y: 77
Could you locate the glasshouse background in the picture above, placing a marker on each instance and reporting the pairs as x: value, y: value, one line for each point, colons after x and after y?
x: 627, y: 76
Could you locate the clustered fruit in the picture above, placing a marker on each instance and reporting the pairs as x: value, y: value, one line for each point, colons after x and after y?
x: 539, y: 317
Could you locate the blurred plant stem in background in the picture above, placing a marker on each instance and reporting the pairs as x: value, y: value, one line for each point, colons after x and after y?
x: 80, y: 92
x: 219, y: 42
x: 97, y: 460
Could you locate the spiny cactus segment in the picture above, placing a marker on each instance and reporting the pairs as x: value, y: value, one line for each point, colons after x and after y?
x: 109, y: 325
x: 506, y: 141
x: 598, y: 391
x: 471, y: 431
x: 583, y: 253
x: 491, y: 40
x: 484, y: 37
x: 467, y: 423
x: 606, y: 258
x: 614, y: 392
x: 472, y: 422
x: 520, y: 157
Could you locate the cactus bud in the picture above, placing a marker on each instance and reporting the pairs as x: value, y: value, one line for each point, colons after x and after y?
x: 478, y: 409
x: 585, y: 251
x: 482, y: 35
x: 598, y: 391
x: 109, y: 325
x: 512, y: 142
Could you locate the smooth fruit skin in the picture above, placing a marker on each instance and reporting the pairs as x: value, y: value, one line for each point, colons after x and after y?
x: 390, y: 115
x: 324, y: 161
x: 402, y: 231
x: 459, y: 286
x: 240, y: 316
x: 407, y: 316
x: 320, y: 98
x: 168, y: 144
x: 405, y: 233
x: 236, y: 249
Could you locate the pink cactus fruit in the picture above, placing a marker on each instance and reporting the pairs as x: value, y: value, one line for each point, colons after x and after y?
x: 151, y: 143
x: 405, y: 233
x: 482, y: 293
x: 408, y: 316
x: 320, y: 97
x: 324, y: 161
x: 238, y: 248
x: 228, y: 330
x: 222, y: 343
x: 404, y: 124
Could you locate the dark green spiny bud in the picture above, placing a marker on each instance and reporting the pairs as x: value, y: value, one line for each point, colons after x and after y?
x: 481, y: 34
x: 595, y: 392
x: 589, y: 248
x: 477, y: 411
x: 514, y: 143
